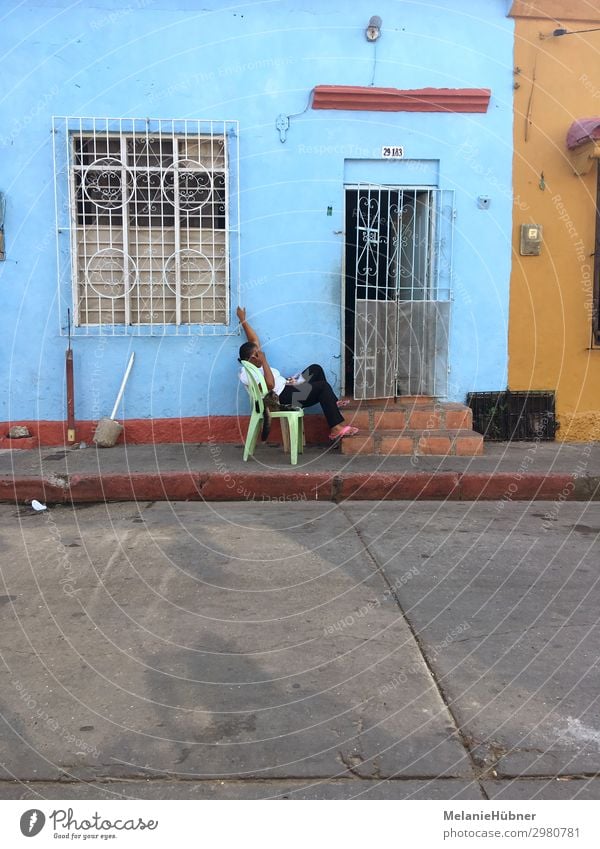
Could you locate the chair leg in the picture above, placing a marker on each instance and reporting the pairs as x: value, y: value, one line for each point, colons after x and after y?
x: 301, y: 437
x: 293, y: 425
x: 285, y: 433
x: 252, y: 436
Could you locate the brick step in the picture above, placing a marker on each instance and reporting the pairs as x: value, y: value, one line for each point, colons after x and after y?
x: 442, y: 441
x: 406, y: 400
x: 422, y: 416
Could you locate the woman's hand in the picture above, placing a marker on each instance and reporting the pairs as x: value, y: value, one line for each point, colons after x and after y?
x: 250, y: 333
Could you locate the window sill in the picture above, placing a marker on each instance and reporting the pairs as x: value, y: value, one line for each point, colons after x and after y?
x: 182, y: 331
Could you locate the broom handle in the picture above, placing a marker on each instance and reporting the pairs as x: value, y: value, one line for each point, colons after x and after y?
x: 122, y: 389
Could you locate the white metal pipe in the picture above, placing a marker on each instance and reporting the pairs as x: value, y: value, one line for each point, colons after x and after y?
x: 123, y: 383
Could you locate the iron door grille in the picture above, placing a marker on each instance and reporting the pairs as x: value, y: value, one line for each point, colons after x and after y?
x: 403, y: 280
x: 147, y: 224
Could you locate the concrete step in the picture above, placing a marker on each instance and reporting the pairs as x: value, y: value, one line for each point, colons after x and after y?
x: 439, y: 441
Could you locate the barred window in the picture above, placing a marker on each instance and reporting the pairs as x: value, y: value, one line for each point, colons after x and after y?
x: 149, y: 222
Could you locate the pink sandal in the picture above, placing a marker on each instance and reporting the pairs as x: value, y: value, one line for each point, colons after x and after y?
x: 343, y: 402
x: 348, y: 430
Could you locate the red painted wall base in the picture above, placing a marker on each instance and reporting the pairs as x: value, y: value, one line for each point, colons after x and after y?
x: 223, y: 429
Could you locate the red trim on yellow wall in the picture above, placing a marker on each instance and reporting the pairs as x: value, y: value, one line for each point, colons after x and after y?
x: 371, y: 99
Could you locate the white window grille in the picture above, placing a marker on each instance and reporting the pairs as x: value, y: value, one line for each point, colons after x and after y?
x: 147, y: 215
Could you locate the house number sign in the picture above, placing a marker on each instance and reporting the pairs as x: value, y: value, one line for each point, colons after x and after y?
x: 389, y: 151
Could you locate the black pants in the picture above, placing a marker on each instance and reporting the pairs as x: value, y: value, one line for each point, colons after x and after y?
x: 316, y: 390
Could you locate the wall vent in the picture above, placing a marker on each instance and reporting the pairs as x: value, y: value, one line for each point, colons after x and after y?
x: 514, y: 416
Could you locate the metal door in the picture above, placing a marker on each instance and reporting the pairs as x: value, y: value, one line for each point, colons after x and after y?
x: 402, y: 275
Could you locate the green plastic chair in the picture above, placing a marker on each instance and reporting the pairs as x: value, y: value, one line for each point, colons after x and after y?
x: 292, y: 424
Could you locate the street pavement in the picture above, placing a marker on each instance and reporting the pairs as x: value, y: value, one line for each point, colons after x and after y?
x: 394, y: 650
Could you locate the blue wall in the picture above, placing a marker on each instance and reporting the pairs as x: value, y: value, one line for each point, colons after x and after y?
x: 250, y: 63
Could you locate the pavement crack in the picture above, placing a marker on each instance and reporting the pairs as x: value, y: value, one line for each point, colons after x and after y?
x: 462, y: 736
x: 185, y: 753
x: 352, y: 762
x: 488, y: 755
x: 255, y: 779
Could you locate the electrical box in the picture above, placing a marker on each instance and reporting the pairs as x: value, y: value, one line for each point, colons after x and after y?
x: 531, y: 239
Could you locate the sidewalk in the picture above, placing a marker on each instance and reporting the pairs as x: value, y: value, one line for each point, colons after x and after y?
x: 421, y: 650
x: 511, y: 472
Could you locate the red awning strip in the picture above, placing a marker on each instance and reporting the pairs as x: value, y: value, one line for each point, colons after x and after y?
x: 370, y: 99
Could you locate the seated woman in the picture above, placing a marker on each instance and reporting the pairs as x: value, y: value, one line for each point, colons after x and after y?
x: 304, y: 389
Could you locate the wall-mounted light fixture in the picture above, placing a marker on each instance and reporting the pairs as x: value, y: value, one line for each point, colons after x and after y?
x: 373, y: 31
x: 562, y: 31
x: 2, y: 213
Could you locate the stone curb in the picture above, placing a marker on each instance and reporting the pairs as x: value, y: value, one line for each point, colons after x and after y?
x: 299, y: 486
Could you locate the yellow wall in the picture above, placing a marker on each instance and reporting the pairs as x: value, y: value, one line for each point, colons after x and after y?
x: 551, y: 294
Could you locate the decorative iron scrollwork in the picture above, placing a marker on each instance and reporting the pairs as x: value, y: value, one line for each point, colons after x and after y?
x: 111, y: 273
x: 195, y: 271
x: 103, y: 183
x: 194, y: 184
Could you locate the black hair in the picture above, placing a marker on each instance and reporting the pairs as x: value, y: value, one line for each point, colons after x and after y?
x: 246, y: 351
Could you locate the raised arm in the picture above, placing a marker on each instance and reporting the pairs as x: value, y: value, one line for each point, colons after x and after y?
x: 258, y: 358
x: 248, y: 330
